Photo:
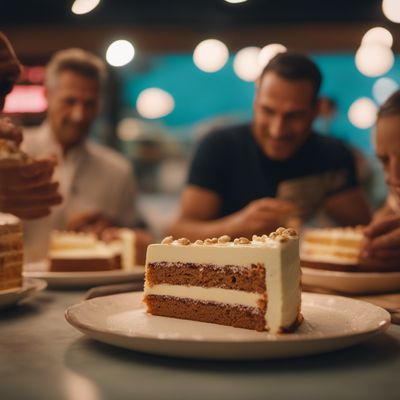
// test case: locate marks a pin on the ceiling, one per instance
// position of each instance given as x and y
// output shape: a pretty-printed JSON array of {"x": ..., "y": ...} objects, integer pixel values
[
  {"x": 178, "y": 25},
  {"x": 192, "y": 12}
]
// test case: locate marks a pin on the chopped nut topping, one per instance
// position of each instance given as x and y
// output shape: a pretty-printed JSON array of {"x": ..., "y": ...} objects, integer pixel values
[
  {"x": 183, "y": 241},
  {"x": 199, "y": 242},
  {"x": 282, "y": 238},
  {"x": 264, "y": 237},
  {"x": 224, "y": 239},
  {"x": 273, "y": 235},
  {"x": 291, "y": 232},
  {"x": 258, "y": 238},
  {"x": 211, "y": 241},
  {"x": 167, "y": 240},
  {"x": 241, "y": 240},
  {"x": 280, "y": 230}
]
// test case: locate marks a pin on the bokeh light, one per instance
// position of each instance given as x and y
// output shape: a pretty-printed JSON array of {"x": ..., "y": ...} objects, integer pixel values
[
  {"x": 210, "y": 55},
  {"x": 383, "y": 88},
  {"x": 84, "y": 6},
  {"x": 245, "y": 63},
  {"x": 120, "y": 53},
  {"x": 154, "y": 103},
  {"x": 268, "y": 52},
  {"x": 378, "y": 35},
  {"x": 391, "y": 10},
  {"x": 362, "y": 113},
  {"x": 374, "y": 60}
]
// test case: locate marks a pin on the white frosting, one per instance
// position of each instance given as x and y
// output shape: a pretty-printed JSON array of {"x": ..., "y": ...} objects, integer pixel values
[
  {"x": 99, "y": 251},
  {"x": 281, "y": 260},
  {"x": 329, "y": 253},
  {"x": 80, "y": 245},
  {"x": 218, "y": 295},
  {"x": 9, "y": 219},
  {"x": 337, "y": 245},
  {"x": 335, "y": 234}
]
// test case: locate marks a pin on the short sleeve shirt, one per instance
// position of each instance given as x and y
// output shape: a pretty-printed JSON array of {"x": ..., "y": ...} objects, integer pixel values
[{"x": 230, "y": 163}]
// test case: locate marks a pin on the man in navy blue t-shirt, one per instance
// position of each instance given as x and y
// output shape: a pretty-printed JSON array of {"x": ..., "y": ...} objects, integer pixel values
[{"x": 251, "y": 179}]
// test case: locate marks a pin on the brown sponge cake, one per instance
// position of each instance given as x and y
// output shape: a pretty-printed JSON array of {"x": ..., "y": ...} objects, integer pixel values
[
  {"x": 336, "y": 249},
  {"x": 80, "y": 251},
  {"x": 11, "y": 252},
  {"x": 247, "y": 284}
]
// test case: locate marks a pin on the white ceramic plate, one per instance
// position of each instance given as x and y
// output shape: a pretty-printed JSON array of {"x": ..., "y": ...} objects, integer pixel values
[
  {"x": 81, "y": 278},
  {"x": 29, "y": 287},
  {"x": 331, "y": 322},
  {"x": 351, "y": 282}
]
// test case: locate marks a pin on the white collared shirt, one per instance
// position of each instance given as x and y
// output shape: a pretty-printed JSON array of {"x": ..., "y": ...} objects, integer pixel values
[{"x": 92, "y": 178}]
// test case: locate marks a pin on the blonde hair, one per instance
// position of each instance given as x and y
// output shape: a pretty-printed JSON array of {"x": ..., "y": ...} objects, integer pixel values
[{"x": 76, "y": 60}]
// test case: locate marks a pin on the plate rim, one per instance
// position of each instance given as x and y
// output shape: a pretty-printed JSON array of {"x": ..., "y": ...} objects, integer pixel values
[
  {"x": 346, "y": 274},
  {"x": 82, "y": 274},
  {"x": 270, "y": 338},
  {"x": 29, "y": 287}
]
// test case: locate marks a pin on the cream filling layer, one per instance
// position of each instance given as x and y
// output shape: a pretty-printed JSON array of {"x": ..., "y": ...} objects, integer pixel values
[
  {"x": 100, "y": 251},
  {"x": 227, "y": 296},
  {"x": 335, "y": 254}
]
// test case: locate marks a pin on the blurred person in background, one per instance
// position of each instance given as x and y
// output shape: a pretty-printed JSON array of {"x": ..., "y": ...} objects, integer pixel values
[
  {"x": 26, "y": 191},
  {"x": 382, "y": 247},
  {"x": 276, "y": 171},
  {"x": 96, "y": 182}
]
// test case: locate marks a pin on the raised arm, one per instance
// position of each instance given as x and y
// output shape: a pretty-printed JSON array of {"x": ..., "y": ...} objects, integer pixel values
[
  {"x": 198, "y": 218},
  {"x": 349, "y": 207}
]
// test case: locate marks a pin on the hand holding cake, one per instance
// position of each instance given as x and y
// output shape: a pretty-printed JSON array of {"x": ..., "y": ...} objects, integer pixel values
[
  {"x": 26, "y": 188},
  {"x": 382, "y": 247}
]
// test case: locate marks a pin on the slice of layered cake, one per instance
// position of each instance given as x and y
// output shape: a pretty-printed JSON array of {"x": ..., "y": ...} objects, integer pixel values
[
  {"x": 11, "y": 252},
  {"x": 332, "y": 248},
  {"x": 79, "y": 251},
  {"x": 246, "y": 284}
]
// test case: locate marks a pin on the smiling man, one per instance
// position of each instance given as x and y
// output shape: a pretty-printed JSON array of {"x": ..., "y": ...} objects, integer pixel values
[
  {"x": 253, "y": 178},
  {"x": 97, "y": 183}
]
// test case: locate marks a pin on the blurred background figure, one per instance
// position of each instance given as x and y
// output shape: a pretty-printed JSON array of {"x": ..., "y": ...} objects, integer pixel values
[
  {"x": 26, "y": 189},
  {"x": 383, "y": 234},
  {"x": 96, "y": 182},
  {"x": 251, "y": 179},
  {"x": 326, "y": 114}
]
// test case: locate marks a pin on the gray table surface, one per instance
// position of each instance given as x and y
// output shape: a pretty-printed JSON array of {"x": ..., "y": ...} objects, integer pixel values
[{"x": 43, "y": 357}]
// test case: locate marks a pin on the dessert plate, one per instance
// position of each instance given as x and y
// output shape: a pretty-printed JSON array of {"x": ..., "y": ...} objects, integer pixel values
[
  {"x": 29, "y": 287},
  {"x": 351, "y": 282},
  {"x": 81, "y": 278},
  {"x": 330, "y": 323}
]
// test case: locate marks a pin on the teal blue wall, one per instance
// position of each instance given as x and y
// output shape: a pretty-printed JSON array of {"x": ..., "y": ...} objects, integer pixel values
[{"x": 201, "y": 96}]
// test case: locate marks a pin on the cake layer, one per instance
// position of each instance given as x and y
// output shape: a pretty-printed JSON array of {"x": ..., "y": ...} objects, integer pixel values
[
  {"x": 10, "y": 276},
  {"x": 11, "y": 257},
  {"x": 11, "y": 241},
  {"x": 218, "y": 295},
  {"x": 343, "y": 267},
  {"x": 215, "y": 271},
  {"x": 248, "y": 278},
  {"x": 81, "y": 251},
  {"x": 85, "y": 264},
  {"x": 213, "y": 312},
  {"x": 330, "y": 246}
]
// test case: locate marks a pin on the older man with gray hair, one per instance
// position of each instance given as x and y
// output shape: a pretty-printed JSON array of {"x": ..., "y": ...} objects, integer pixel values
[{"x": 96, "y": 182}]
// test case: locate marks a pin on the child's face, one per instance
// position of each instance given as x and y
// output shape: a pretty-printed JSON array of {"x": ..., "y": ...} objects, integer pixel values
[{"x": 388, "y": 150}]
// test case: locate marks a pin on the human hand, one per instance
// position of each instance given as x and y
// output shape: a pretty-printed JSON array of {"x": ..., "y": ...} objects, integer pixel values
[
  {"x": 26, "y": 189},
  {"x": 382, "y": 246},
  {"x": 262, "y": 216},
  {"x": 89, "y": 221},
  {"x": 142, "y": 239},
  {"x": 10, "y": 131}
]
